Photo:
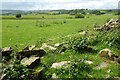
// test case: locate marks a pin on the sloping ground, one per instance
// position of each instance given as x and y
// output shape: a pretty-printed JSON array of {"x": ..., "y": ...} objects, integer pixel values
[{"x": 83, "y": 55}]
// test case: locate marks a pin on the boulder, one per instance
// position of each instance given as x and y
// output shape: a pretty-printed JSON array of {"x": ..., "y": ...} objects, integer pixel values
[
  {"x": 30, "y": 62},
  {"x": 37, "y": 74},
  {"x": 29, "y": 47},
  {"x": 0, "y": 69},
  {"x": 83, "y": 33},
  {"x": 47, "y": 47},
  {"x": 102, "y": 65},
  {"x": 28, "y": 53},
  {"x": 59, "y": 44},
  {"x": 59, "y": 64},
  {"x": 7, "y": 51},
  {"x": 88, "y": 62},
  {"x": 54, "y": 76},
  {"x": 105, "y": 53},
  {"x": 107, "y": 26}
]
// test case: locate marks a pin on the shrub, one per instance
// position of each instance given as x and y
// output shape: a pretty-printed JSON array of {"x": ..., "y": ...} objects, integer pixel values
[
  {"x": 15, "y": 70},
  {"x": 18, "y": 15},
  {"x": 79, "y": 16},
  {"x": 78, "y": 43},
  {"x": 109, "y": 38},
  {"x": 75, "y": 69}
]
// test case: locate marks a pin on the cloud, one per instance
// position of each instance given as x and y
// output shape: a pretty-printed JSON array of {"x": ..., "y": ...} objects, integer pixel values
[{"x": 59, "y": 4}]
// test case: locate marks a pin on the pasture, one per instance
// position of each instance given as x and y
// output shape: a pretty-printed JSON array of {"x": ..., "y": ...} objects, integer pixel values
[
  {"x": 24, "y": 32},
  {"x": 52, "y": 29}
]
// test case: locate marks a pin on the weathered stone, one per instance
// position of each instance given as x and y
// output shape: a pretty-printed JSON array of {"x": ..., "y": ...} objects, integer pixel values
[
  {"x": 59, "y": 64},
  {"x": 50, "y": 48},
  {"x": 7, "y": 51},
  {"x": 88, "y": 62},
  {"x": 0, "y": 69},
  {"x": 105, "y": 53},
  {"x": 29, "y": 47},
  {"x": 59, "y": 44},
  {"x": 102, "y": 65},
  {"x": 54, "y": 76},
  {"x": 109, "y": 55},
  {"x": 27, "y": 53},
  {"x": 31, "y": 61},
  {"x": 83, "y": 33},
  {"x": 38, "y": 74},
  {"x": 107, "y": 26}
]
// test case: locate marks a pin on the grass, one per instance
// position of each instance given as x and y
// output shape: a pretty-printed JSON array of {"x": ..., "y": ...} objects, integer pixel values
[
  {"x": 39, "y": 16},
  {"x": 31, "y": 31},
  {"x": 25, "y": 32}
]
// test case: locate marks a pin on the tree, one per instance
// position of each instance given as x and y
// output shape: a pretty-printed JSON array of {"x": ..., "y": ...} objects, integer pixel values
[
  {"x": 18, "y": 15},
  {"x": 79, "y": 16},
  {"x": 96, "y": 12}
]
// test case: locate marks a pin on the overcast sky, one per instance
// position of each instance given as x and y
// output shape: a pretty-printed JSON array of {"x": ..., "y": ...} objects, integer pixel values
[{"x": 59, "y": 4}]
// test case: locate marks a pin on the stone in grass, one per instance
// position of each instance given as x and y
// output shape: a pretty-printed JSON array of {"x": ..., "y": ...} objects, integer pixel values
[
  {"x": 88, "y": 62},
  {"x": 59, "y": 64},
  {"x": 59, "y": 44},
  {"x": 30, "y": 62},
  {"x": 102, "y": 65},
  {"x": 38, "y": 74},
  {"x": 7, "y": 51},
  {"x": 29, "y": 47},
  {"x": 45, "y": 46},
  {"x": 28, "y": 53},
  {"x": 107, "y": 53}
]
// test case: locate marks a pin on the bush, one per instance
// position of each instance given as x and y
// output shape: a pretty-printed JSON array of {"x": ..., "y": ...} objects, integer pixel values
[
  {"x": 78, "y": 44},
  {"x": 18, "y": 15},
  {"x": 109, "y": 38},
  {"x": 79, "y": 16},
  {"x": 75, "y": 69},
  {"x": 15, "y": 70}
]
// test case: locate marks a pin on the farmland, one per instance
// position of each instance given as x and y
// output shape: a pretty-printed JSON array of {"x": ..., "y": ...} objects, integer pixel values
[
  {"x": 24, "y": 32},
  {"x": 66, "y": 29}
]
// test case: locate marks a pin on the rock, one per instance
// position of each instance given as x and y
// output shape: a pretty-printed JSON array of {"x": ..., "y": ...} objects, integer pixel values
[
  {"x": 29, "y": 47},
  {"x": 7, "y": 51},
  {"x": 102, "y": 65},
  {"x": 59, "y": 64},
  {"x": 54, "y": 77},
  {"x": 37, "y": 74},
  {"x": 0, "y": 55},
  {"x": 98, "y": 29},
  {"x": 83, "y": 33},
  {"x": 30, "y": 62},
  {"x": 109, "y": 70},
  {"x": 50, "y": 48},
  {"x": 112, "y": 20},
  {"x": 59, "y": 44},
  {"x": 0, "y": 69},
  {"x": 62, "y": 48},
  {"x": 88, "y": 62},
  {"x": 105, "y": 53},
  {"x": 107, "y": 26},
  {"x": 28, "y": 53}
]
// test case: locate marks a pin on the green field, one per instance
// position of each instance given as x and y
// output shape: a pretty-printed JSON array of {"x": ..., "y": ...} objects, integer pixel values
[
  {"x": 24, "y": 32},
  {"x": 32, "y": 29}
]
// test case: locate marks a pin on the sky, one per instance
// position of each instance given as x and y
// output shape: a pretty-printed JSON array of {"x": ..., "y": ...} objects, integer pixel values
[{"x": 58, "y": 4}]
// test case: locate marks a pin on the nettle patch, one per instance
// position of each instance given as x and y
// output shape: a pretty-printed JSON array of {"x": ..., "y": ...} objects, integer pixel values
[{"x": 78, "y": 43}]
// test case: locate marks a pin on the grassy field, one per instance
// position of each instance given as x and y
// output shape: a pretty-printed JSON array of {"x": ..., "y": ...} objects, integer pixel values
[
  {"x": 24, "y": 32},
  {"x": 28, "y": 31},
  {"x": 38, "y": 16}
]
